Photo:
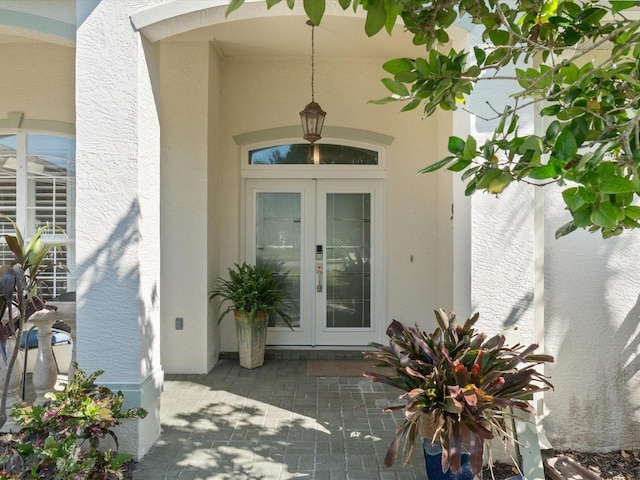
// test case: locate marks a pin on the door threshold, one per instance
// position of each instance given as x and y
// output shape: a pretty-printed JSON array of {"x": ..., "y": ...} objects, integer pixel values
[{"x": 305, "y": 353}]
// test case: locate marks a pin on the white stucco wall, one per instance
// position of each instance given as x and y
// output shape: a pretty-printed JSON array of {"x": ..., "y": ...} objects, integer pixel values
[
  {"x": 592, "y": 328},
  {"x": 185, "y": 113},
  {"x": 214, "y": 201},
  {"x": 496, "y": 244},
  {"x": 118, "y": 214}
]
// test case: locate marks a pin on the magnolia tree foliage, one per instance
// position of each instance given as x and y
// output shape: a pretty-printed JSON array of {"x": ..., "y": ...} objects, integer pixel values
[{"x": 582, "y": 74}]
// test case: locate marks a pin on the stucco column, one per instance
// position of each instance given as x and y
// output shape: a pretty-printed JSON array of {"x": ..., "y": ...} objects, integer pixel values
[
  {"x": 190, "y": 95},
  {"x": 494, "y": 245},
  {"x": 117, "y": 211}
]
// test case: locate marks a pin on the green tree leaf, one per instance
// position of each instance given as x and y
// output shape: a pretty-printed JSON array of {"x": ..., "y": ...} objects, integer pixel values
[
  {"x": 566, "y": 229},
  {"x": 485, "y": 180},
  {"x": 398, "y": 65},
  {"x": 383, "y": 101},
  {"x": 591, "y": 105},
  {"x": 233, "y": 5},
  {"x": 446, "y": 17},
  {"x": 616, "y": 184},
  {"x": 314, "y": 10},
  {"x": 582, "y": 217},
  {"x": 633, "y": 212},
  {"x": 395, "y": 87},
  {"x": 480, "y": 55},
  {"x": 499, "y": 184},
  {"x": 411, "y": 105},
  {"x": 459, "y": 165},
  {"x": 376, "y": 18},
  {"x": 572, "y": 36},
  {"x": 456, "y": 145},
  {"x": 566, "y": 147},
  {"x": 499, "y": 37},
  {"x": 470, "y": 149},
  {"x": 436, "y": 166},
  {"x": 551, "y": 110},
  {"x": 544, "y": 172},
  {"x": 591, "y": 16},
  {"x": 553, "y": 130},
  {"x": 620, "y": 5},
  {"x": 606, "y": 215}
]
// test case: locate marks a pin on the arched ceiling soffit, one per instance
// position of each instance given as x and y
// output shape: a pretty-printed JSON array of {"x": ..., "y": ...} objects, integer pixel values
[
  {"x": 254, "y": 31},
  {"x": 26, "y": 27}
]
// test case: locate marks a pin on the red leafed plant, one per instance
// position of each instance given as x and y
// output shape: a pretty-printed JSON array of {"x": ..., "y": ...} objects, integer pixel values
[{"x": 458, "y": 380}]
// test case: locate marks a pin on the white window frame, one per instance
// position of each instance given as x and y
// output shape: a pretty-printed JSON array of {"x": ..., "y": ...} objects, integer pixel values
[
  {"x": 349, "y": 137},
  {"x": 68, "y": 238}
]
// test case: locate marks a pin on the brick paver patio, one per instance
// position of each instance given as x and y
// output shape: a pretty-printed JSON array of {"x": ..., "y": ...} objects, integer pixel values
[{"x": 274, "y": 423}]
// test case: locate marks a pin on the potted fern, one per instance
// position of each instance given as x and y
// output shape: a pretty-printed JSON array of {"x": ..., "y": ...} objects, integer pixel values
[
  {"x": 460, "y": 388},
  {"x": 254, "y": 293}
]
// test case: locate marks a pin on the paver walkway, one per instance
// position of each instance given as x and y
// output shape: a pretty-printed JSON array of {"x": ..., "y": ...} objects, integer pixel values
[{"x": 275, "y": 423}]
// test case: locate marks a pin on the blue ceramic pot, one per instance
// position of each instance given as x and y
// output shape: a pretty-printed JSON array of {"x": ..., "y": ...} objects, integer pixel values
[{"x": 433, "y": 459}]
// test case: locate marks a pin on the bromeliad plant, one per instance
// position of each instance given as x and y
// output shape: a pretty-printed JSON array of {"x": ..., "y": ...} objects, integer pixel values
[{"x": 458, "y": 379}]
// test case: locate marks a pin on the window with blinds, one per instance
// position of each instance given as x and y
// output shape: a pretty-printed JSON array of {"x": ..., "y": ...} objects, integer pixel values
[
  {"x": 8, "y": 197},
  {"x": 37, "y": 189}
]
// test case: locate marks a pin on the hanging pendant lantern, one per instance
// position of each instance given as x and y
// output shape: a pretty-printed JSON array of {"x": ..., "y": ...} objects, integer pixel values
[{"x": 312, "y": 117}]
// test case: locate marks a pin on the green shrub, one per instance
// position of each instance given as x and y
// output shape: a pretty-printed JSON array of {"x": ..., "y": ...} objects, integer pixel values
[{"x": 60, "y": 439}]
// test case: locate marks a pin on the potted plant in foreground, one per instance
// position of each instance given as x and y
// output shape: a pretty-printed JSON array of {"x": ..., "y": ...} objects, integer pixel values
[
  {"x": 460, "y": 388},
  {"x": 254, "y": 293}
]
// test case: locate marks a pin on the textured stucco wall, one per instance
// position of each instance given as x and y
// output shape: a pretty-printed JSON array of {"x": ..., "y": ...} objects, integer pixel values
[
  {"x": 593, "y": 329},
  {"x": 497, "y": 246},
  {"x": 118, "y": 214}
]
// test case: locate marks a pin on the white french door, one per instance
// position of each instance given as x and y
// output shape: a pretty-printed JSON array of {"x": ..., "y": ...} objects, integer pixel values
[{"x": 326, "y": 235}]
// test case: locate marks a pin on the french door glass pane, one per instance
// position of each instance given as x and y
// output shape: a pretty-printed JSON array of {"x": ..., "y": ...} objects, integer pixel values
[
  {"x": 348, "y": 246},
  {"x": 278, "y": 222}
]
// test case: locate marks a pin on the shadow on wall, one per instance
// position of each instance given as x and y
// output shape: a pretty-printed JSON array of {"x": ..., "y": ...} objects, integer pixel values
[
  {"x": 114, "y": 273},
  {"x": 595, "y": 406},
  {"x": 518, "y": 311},
  {"x": 629, "y": 376}
]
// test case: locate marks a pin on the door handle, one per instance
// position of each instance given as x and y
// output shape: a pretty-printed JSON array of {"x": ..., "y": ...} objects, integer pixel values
[
  {"x": 319, "y": 260},
  {"x": 319, "y": 277}
]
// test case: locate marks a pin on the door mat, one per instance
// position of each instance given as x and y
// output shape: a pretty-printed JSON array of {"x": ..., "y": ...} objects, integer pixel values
[{"x": 341, "y": 368}]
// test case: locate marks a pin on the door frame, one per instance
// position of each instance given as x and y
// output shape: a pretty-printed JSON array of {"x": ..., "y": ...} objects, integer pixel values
[
  {"x": 313, "y": 330},
  {"x": 338, "y": 173}
]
